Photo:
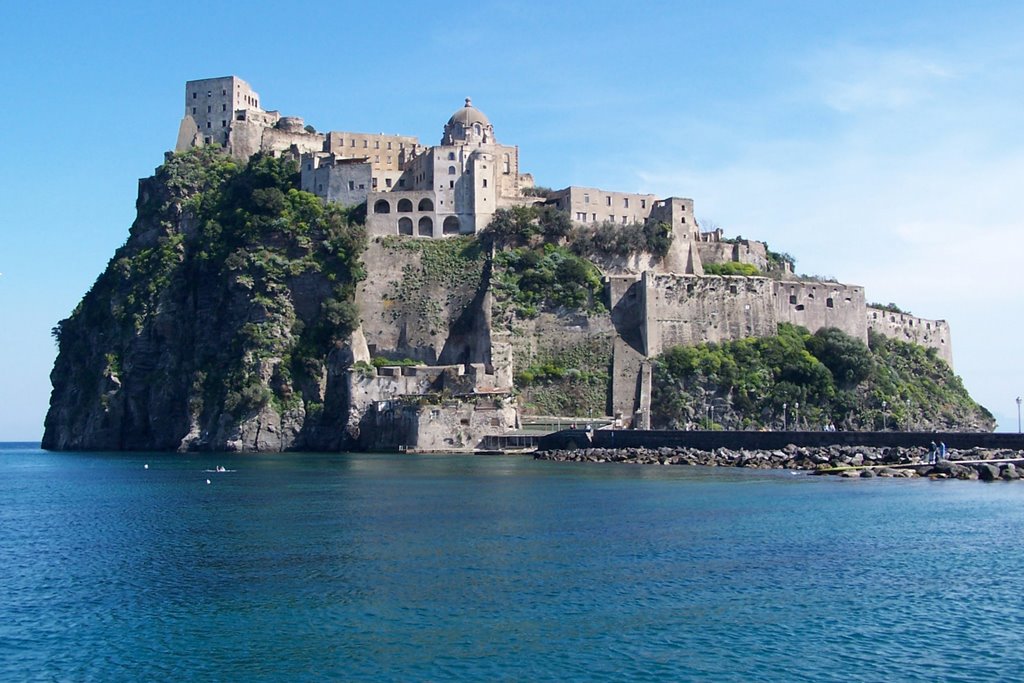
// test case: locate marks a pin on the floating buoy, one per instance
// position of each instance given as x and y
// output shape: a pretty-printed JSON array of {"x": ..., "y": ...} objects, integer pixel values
[
  {"x": 146, "y": 466},
  {"x": 207, "y": 481}
]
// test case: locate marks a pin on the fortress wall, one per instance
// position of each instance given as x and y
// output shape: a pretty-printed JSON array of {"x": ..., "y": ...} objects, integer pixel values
[
  {"x": 277, "y": 140},
  {"x": 689, "y": 310},
  {"x": 815, "y": 305},
  {"x": 345, "y": 183},
  {"x": 743, "y": 251},
  {"x": 928, "y": 333}
]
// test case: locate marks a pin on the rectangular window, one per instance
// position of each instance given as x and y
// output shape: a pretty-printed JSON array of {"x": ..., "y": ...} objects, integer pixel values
[
  {"x": 451, "y": 184},
  {"x": 624, "y": 220},
  {"x": 581, "y": 216},
  {"x": 389, "y": 145},
  {"x": 586, "y": 199},
  {"x": 209, "y": 109},
  {"x": 401, "y": 182},
  {"x": 594, "y": 217},
  {"x": 194, "y": 95},
  {"x": 373, "y": 183},
  {"x": 376, "y": 144},
  {"x": 389, "y": 161},
  {"x": 223, "y": 124},
  {"x": 208, "y": 124},
  {"x": 353, "y": 143},
  {"x": 361, "y": 186},
  {"x": 485, "y": 182},
  {"x": 387, "y": 181},
  {"x": 366, "y": 143},
  {"x": 643, "y": 203},
  {"x": 351, "y": 185},
  {"x": 193, "y": 110},
  {"x": 609, "y": 200},
  {"x": 223, "y": 107},
  {"x": 626, "y": 203}
]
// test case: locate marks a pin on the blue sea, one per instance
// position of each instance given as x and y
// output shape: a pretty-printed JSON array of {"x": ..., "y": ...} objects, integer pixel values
[{"x": 378, "y": 567}]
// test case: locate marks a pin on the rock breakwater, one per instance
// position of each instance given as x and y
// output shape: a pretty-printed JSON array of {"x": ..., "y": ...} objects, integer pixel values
[{"x": 845, "y": 461}]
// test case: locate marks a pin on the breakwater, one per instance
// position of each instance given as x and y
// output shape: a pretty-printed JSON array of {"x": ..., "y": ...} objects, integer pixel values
[
  {"x": 846, "y": 461},
  {"x": 570, "y": 439}
]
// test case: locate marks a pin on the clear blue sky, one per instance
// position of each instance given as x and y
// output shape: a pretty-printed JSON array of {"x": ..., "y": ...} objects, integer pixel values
[{"x": 878, "y": 142}]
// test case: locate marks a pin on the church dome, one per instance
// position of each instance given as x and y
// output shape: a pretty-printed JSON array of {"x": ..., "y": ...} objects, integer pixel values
[{"x": 467, "y": 125}]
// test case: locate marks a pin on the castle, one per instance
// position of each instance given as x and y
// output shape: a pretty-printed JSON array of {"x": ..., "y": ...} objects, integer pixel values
[{"x": 454, "y": 188}]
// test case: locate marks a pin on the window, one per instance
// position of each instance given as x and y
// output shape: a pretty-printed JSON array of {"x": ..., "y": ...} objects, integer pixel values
[
  {"x": 450, "y": 226},
  {"x": 389, "y": 145},
  {"x": 426, "y": 205},
  {"x": 223, "y": 124},
  {"x": 381, "y": 205},
  {"x": 223, "y": 107},
  {"x": 451, "y": 170},
  {"x": 485, "y": 182},
  {"x": 625, "y": 203},
  {"x": 376, "y": 144},
  {"x": 683, "y": 219},
  {"x": 404, "y": 205},
  {"x": 387, "y": 181},
  {"x": 362, "y": 186},
  {"x": 193, "y": 110},
  {"x": 208, "y": 124},
  {"x": 426, "y": 227},
  {"x": 209, "y": 93},
  {"x": 451, "y": 156},
  {"x": 389, "y": 160},
  {"x": 209, "y": 109},
  {"x": 223, "y": 92},
  {"x": 643, "y": 203},
  {"x": 625, "y": 219},
  {"x": 581, "y": 216},
  {"x": 373, "y": 183},
  {"x": 404, "y": 226},
  {"x": 451, "y": 184},
  {"x": 194, "y": 95},
  {"x": 609, "y": 201},
  {"x": 586, "y": 199},
  {"x": 353, "y": 143},
  {"x": 401, "y": 182},
  {"x": 207, "y": 140},
  {"x": 351, "y": 185},
  {"x": 594, "y": 217},
  {"x": 792, "y": 298},
  {"x": 376, "y": 159},
  {"x": 366, "y": 144}
]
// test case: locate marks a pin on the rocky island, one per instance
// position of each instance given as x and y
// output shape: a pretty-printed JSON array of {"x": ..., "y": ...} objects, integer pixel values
[{"x": 286, "y": 289}]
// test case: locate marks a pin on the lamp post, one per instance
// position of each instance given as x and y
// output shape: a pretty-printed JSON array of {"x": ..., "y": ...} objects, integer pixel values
[
  {"x": 1018, "y": 414},
  {"x": 784, "y": 415},
  {"x": 796, "y": 415},
  {"x": 884, "y": 404}
]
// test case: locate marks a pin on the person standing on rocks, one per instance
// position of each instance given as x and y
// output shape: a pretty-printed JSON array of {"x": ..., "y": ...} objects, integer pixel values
[
  {"x": 933, "y": 453},
  {"x": 942, "y": 450}
]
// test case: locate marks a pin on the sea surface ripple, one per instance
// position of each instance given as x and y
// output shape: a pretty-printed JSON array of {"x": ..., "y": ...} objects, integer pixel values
[{"x": 395, "y": 567}]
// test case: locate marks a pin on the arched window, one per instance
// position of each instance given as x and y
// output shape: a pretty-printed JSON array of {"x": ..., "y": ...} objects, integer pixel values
[
  {"x": 451, "y": 170},
  {"x": 426, "y": 227},
  {"x": 381, "y": 206},
  {"x": 404, "y": 226},
  {"x": 404, "y": 206},
  {"x": 426, "y": 204},
  {"x": 477, "y": 129},
  {"x": 508, "y": 164},
  {"x": 451, "y": 225},
  {"x": 451, "y": 156}
]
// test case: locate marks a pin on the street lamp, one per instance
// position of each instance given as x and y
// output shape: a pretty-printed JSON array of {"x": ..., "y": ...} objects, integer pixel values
[
  {"x": 784, "y": 416},
  {"x": 884, "y": 404},
  {"x": 1018, "y": 414},
  {"x": 796, "y": 415}
]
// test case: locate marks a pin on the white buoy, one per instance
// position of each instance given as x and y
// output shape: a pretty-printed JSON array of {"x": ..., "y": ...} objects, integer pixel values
[
  {"x": 146, "y": 466},
  {"x": 207, "y": 481}
]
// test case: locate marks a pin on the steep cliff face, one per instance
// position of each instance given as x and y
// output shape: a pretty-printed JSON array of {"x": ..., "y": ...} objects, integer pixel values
[{"x": 222, "y": 322}]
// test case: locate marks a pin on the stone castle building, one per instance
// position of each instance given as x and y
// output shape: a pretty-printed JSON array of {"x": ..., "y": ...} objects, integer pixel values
[{"x": 455, "y": 187}]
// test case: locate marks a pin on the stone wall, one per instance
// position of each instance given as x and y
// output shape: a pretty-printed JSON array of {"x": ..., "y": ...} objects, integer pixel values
[
  {"x": 815, "y": 305},
  {"x": 907, "y": 328},
  {"x": 689, "y": 310},
  {"x": 739, "y": 251}
]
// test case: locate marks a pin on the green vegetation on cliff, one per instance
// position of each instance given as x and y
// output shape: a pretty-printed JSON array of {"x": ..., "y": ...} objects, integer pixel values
[
  {"x": 803, "y": 380},
  {"x": 229, "y": 296},
  {"x": 568, "y": 379}
]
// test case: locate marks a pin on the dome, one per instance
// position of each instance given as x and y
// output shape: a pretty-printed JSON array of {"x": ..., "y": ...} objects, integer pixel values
[
  {"x": 468, "y": 125},
  {"x": 469, "y": 115}
]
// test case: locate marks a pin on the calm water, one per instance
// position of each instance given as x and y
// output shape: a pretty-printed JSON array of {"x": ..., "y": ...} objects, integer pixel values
[{"x": 387, "y": 567}]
